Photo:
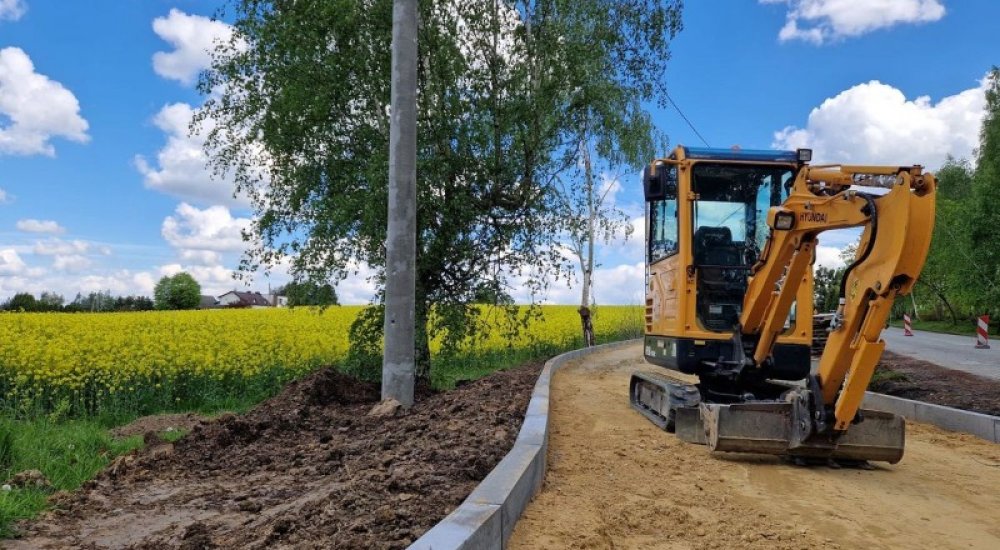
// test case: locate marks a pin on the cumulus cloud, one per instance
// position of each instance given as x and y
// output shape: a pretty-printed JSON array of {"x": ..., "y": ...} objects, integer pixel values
[
  {"x": 4, "y": 196},
  {"x": 874, "y": 123},
  {"x": 72, "y": 262},
  {"x": 11, "y": 262},
  {"x": 193, "y": 38},
  {"x": 201, "y": 257},
  {"x": 213, "y": 228},
  {"x": 53, "y": 247},
  {"x": 120, "y": 283},
  {"x": 820, "y": 21},
  {"x": 12, "y": 10},
  {"x": 40, "y": 226},
  {"x": 181, "y": 165},
  {"x": 37, "y": 108},
  {"x": 828, "y": 256}
]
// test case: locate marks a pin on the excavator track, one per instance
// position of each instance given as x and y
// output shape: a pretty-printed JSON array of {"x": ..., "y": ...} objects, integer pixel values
[{"x": 773, "y": 427}]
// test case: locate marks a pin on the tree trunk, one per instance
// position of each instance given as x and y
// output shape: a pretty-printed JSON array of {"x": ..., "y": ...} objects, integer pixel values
[
  {"x": 944, "y": 299},
  {"x": 913, "y": 300},
  {"x": 398, "y": 362},
  {"x": 587, "y": 263}
]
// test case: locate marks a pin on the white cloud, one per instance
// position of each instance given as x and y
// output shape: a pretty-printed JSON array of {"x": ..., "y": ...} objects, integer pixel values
[
  {"x": 201, "y": 257},
  {"x": 820, "y": 21},
  {"x": 119, "y": 283},
  {"x": 828, "y": 256},
  {"x": 213, "y": 228},
  {"x": 10, "y": 262},
  {"x": 621, "y": 284},
  {"x": 874, "y": 123},
  {"x": 182, "y": 165},
  {"x": 38, "y": 108},
  {"x": 4, "y": 197},
  {"x": 53, "y": 247},
  {"x": 193, "y": 38},
  {"x": 358, "y": 287},
  {"x": 12, "y": 10},
  {"x": 72, "y": 263},
  {"x": 40, "y": 226}
]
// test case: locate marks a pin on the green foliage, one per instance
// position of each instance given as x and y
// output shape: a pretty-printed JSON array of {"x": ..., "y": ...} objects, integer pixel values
[
  {"x": 826, "y": 288},
  {"x": 309, "y": 293},
  {"x": 6, "y": 448},
  {"x": 67, "y": 453},
  {"x": 179, "y": 291},
  {"x": 505, "y": 88},
  {"x": 985, "y": 216},
  {"x": 21, "y": 301}
]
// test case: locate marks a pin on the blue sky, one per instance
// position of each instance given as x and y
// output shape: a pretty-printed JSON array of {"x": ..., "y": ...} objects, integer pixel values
[{"x": 101, "y": 188}]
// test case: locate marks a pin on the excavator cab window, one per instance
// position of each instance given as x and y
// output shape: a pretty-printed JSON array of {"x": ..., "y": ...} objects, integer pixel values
[
  {"x": 661, "y": 192},
  {"x": 730, "y": 227}
]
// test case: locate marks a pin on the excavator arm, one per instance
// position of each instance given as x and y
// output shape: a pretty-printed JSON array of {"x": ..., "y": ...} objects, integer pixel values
[{"x": 893, "y": 248}]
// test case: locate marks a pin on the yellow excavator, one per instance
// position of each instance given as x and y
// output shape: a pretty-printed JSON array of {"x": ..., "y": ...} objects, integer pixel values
[{"x": 731, "y": 238}]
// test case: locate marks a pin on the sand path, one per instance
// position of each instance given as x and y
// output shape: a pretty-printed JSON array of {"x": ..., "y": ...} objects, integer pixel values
[{"x": 616, "y": 481}]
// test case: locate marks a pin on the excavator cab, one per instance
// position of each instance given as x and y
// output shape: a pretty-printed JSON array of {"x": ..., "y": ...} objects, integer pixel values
[
  {"x": 731, "y": 238},
  {"x": 706, "y": 226}
]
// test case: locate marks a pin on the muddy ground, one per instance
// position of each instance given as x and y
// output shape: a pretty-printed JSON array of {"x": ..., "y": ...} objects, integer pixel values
[
  {"x": 617, "y": 481},
  {"x": 915, "y": 379},
  {"x": 306, "y": 469}
]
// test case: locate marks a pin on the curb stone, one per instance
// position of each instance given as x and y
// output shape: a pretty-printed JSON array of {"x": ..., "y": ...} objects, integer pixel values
[
  {"x": 485, "y": 520},
  {"x": 980, "y": 425}
]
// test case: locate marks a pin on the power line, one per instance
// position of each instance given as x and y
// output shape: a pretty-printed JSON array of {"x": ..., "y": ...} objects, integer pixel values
[{"x": 672, "y": 102}]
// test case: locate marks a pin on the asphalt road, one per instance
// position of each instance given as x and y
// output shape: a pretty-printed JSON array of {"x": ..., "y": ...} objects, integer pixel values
[{"x": 946, "y": 350}]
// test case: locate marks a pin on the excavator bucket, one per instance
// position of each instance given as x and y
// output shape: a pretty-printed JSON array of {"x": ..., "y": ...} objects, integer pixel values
[{"x": 781, "y": 428}]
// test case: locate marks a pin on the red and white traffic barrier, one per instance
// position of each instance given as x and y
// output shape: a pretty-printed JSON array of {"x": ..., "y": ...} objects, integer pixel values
[
  {"x": 907, "y": 326},
  {"x": 982, "y": 336}
]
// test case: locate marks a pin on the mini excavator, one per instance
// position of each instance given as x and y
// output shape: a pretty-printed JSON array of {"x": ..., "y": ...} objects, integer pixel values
[{"x": 731, "y": 238}]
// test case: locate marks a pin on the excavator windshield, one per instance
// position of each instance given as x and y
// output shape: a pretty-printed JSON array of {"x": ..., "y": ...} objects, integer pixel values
[{"x": 730, "y": 227}]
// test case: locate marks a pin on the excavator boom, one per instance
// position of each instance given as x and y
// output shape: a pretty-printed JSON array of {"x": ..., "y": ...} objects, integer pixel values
[{"x": 753, "y": 395}]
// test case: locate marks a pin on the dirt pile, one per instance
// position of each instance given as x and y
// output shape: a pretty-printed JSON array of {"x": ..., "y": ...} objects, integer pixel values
[
  {"x": 915, "y": 379},
  {"x": 307, "y": 469}
]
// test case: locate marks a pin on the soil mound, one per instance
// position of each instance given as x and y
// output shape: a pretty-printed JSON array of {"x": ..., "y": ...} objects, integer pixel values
[
  {"x": 306, "y": 469},
  {"x": 923, "y": 381},
  {"x": 158, "y": 423}
]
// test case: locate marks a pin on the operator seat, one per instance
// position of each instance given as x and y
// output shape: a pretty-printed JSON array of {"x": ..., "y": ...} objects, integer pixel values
[{"x": 722, "y": 279}]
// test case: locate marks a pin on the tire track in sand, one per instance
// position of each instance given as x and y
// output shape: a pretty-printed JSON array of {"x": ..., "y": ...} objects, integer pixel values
[{"x": 616, "y": 481}]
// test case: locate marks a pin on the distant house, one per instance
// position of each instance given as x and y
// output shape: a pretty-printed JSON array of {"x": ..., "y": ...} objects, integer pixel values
[
  {"x": 208, "y": 302},
  {"x": 235, "y": 298},
  {"x": 277, "y": 300}
]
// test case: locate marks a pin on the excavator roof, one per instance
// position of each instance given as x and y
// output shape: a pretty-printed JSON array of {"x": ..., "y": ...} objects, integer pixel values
[{"x": 760, "y": 155}]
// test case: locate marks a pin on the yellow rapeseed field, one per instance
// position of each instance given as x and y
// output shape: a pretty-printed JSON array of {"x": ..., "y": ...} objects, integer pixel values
[{"x": 86, "y": 363}]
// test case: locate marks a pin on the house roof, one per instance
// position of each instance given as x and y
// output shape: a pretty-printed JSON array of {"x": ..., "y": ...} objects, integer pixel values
[
  {"x": 249, "y": 298},
  {"x": 207, "y": 301}
]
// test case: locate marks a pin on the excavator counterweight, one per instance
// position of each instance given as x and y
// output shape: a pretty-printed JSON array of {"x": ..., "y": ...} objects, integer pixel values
[{"x": 731, "y": 239}]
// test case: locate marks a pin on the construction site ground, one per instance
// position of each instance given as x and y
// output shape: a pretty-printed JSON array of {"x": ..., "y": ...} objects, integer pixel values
[
  {"x": 306, "y": 469},
  {"x": 616, "y": 481}
]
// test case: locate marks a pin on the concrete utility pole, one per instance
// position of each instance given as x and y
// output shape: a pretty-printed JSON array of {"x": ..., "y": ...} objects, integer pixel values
[{"x": 398, "y": 365}]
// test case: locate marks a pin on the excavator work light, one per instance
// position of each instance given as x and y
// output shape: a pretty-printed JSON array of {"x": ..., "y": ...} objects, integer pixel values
[
  {"x": 784, "y": 220},
  {"x": 805, "y": 155}
]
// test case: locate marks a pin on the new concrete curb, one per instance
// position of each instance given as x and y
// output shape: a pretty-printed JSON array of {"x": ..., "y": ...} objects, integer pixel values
[
  {"x": 954, "y": 420},
  {"x": 485, "y": 520}
]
